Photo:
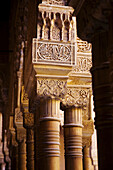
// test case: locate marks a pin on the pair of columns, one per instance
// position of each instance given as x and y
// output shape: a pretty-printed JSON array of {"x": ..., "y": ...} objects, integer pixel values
[{"x": 49, "y": 136}]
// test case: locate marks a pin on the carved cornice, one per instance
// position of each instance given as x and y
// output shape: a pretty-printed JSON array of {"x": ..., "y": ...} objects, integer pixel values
[{"x": 51, "y": 87}]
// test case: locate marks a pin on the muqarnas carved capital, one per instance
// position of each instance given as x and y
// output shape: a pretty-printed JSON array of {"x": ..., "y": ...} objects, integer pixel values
[
  {"x": 28, "y": 120},
  {"x": 51, "y": 88}
]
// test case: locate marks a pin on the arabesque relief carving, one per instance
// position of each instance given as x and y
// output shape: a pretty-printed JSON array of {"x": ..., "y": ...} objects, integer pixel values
[
  {"x": 83, "y": 64},
  {"x": 56, "y": 52},
  {"x": 78, "y": 96},
  {"x": 51, "y": 87}
]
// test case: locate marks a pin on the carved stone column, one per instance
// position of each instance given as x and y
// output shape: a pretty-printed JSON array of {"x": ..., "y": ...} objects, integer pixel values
[
  {"x": 14, "y": 158},
  {"x": 73, "y": 138},
  {"x": 29, "y": 124},
  {"x": 6, "y": 152},
  {"x": 49, "y": 153},
  {"x": 21, "y": 139},
  {"x": 13, "y": 145},
  {"x": 22, "y": 154}
]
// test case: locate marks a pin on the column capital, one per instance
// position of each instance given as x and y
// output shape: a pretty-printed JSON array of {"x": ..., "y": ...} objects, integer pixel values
[
  {"x": 78, "y": 96},
  {"x": 24, "y": 100},
  {"x": 28, "y": 120},
  {"x": 18, "y": 117},
  {"x": 21, "y": 134},
  {"x": 51, "y": 87}
]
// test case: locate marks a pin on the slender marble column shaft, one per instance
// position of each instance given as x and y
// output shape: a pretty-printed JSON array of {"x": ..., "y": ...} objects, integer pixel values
[
  {"x": 49, "y": 151},
  {"x": 30, "y": 149},
  {"x": 22, "y": 155},
  {"x": 73, "y": 138}
]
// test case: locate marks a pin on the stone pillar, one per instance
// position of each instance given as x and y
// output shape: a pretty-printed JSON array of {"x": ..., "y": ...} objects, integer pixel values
[
  {"x": 29, "y": 124},
  {"x": 13, "y": 145},
  {"x": 102, "y": 100},
  {"x": 49, "y": 153},
  {"x": 6, "y": 152},
  {"x": 87, "y": 159},
  {"x": 30, "y": 149},
  {"x": 73, "y": 138},
  {"x": 22, "y": 154},
  {"x": 14, "y": 158}
]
